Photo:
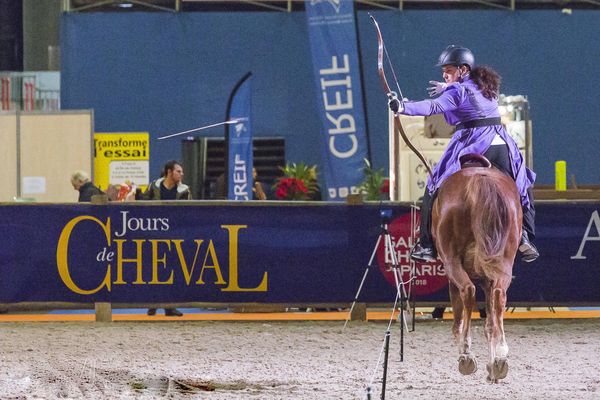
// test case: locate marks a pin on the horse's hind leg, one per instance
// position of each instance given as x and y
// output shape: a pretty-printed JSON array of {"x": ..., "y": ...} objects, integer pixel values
[
  {"x": 462, "y": 296},
  {"x": 497, "y": 368},
  {"x": 457, "y": 311}
]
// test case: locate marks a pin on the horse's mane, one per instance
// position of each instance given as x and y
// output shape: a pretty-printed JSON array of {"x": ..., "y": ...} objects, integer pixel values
[{"x": 490, "y": 216}]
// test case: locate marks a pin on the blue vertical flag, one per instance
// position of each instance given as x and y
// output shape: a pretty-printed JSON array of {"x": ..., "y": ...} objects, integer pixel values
[
  {"x": 333, "y": 44},
  {"x": 239, "y": 142}
]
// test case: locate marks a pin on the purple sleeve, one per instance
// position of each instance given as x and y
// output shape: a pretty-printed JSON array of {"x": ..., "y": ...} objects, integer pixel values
[{"x": 448, "y": 101}]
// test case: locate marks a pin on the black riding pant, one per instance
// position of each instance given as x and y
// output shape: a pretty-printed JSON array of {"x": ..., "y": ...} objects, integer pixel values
[{"x": 499, "y": 157}]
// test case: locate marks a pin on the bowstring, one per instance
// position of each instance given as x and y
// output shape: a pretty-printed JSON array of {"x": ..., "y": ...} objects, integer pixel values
[{"x": 387, "y": 56}]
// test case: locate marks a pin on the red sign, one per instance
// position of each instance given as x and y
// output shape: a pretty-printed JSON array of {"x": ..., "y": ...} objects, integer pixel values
[{"x": 429, "y": 277}]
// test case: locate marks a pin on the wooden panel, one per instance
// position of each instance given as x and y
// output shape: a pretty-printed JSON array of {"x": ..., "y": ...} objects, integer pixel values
[
  {"x": 413, "y": 175},
  {"x": 570, "y": 194},
  {"x": 8, "y": 156},
  {"x": 52, "y": 147}
]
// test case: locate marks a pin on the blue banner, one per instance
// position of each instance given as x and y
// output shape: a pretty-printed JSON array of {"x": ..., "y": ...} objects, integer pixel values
[
  {"x": 333, "y": 43},
  {"x": 240, "y": 180},
  {"x": 261, "y": 252}
]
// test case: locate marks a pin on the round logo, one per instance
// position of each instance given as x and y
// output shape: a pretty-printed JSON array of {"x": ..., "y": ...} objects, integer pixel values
[{"x": 429, "y": 277}]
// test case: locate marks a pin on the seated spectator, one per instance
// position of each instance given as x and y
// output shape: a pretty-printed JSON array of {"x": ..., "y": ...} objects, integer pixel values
[
  {"x": 259, "y": 191},
  {"x": 82, "y": 183}
]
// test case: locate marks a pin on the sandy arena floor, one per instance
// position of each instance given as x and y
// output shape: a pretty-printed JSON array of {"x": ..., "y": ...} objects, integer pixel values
[{"x": 549, "y": 359}]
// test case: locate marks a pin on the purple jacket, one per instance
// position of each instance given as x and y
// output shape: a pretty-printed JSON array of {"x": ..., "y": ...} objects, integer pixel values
[{"x": 463, "y": 102}]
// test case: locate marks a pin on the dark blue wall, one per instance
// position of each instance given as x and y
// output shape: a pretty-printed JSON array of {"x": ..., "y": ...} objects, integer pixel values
[{"x": 163, "y": 73}]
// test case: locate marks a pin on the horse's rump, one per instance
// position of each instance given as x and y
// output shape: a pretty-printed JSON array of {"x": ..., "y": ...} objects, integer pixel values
[
  {"x": 490, "y": 216},
  {"x": 484, "y": 207}
]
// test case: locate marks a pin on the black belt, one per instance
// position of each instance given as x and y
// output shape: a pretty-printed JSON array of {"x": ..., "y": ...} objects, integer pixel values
[{"x": 476, "y": 123}]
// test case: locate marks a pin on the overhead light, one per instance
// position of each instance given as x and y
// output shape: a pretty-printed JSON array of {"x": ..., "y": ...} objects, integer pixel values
[{"x": 125, "y": 5}]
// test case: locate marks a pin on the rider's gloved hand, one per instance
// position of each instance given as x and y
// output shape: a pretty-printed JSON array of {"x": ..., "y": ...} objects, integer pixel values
[
  {"x": 436, "y": 88},
  {"x": 394, "y": 104}
]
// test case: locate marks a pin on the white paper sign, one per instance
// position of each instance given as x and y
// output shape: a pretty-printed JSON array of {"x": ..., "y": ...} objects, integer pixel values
[
  {"x": 137, "y": 172},
  {"x": 33, "y": 185}
]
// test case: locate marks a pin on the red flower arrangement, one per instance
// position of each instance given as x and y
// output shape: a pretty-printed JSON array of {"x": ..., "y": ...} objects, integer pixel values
[
  {"x": 291, "y": 189},
  {"x": 299, "y": 182},
  {"x": 385, "y": 187}
]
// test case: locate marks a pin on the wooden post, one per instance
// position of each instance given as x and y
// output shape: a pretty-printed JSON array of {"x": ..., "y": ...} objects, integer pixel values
[
  {"x": 257, "y": 308},
  {"x": 354, "y": 199},
  {"x": 359, "y": 312},
  {"x": 103, "y": 312}
]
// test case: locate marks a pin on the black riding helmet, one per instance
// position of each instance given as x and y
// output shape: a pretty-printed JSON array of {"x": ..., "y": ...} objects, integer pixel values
[{"x": 457, "y": 56}]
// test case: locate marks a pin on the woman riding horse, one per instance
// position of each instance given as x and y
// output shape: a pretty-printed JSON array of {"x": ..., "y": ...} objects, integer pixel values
[{"x": 468, "y": 98}]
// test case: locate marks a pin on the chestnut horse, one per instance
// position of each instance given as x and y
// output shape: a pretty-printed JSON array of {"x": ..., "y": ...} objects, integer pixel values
[{"x": 476, "y": 225}]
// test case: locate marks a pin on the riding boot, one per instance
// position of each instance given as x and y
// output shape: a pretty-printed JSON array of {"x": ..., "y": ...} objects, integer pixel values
[
  {"x": 424, "y": 249},
  {"x": 526, "y": 247},
  {"x": 529, "y": 216}
]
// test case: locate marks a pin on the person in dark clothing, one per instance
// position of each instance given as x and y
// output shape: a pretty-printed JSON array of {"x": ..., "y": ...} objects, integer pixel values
[
  {"x": 259, "y": 191},
  {"x": 81, "y": 182},
  {"x": 168, "y": 187}
]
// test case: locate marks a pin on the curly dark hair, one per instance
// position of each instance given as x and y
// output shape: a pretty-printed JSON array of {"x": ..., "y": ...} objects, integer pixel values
[{"x": 487, "y": 80}]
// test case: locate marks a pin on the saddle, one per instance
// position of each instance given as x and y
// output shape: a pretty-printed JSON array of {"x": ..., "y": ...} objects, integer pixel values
[{"x": 474, "y": 160}]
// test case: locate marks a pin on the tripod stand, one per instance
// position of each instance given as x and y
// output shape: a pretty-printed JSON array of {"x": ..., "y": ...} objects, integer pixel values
[{"x": 391, "y": 261}]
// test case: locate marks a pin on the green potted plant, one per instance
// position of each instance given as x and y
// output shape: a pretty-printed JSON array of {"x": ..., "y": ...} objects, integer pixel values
[{"x": 375, "y": 186}]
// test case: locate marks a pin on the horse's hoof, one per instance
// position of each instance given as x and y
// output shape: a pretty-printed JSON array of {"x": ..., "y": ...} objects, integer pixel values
[
  {"x": 467, "y": 364},
  {"x": 490, "y": 376},
  {"x": 500, "y": 368},
  {"x": 497, "y": 370}
]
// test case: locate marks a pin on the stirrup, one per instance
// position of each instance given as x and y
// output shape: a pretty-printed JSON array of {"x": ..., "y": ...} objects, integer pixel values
[
  {"x": 530, "y": 253},
  {"x": 420, "y": 253}
]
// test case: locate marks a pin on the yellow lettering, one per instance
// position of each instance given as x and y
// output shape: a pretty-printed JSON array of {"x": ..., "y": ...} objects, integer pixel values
[
  {"x": 137, "y": 260},
  {"x": 163, "y": 261},
  {"x": 187, "y": 274},
  {"x": 62, "y": 255},
  {"x": 211, "y": 250},
  {"x": 233, "y": 263}
]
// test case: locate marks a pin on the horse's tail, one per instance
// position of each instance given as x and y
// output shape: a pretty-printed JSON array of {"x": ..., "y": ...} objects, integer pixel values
[{"x": 490, "y": 219}]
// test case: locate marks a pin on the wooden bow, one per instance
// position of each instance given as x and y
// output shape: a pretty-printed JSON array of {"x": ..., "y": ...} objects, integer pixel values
[{"x": 390, "y": 94}]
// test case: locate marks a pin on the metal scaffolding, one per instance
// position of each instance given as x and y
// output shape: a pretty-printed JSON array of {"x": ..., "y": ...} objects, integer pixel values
[{"x": 297, "y": 5}]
